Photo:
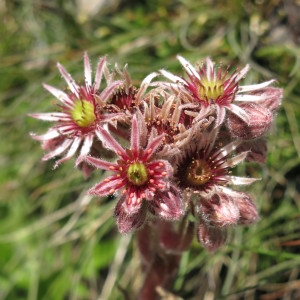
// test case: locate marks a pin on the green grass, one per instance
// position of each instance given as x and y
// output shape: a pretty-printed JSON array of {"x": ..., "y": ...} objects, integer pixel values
[{"x": 58, "y": 243}]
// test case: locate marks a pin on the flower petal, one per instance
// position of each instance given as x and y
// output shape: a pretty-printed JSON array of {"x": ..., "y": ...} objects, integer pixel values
[
  {"x": 60, "y": 95},
  {"x": 71, "y": 151},
  {"x": 107, "y": 92},
  {"x": 239, "y": 112},
  {"x": 135, "y": 136},
  {"x": 109, "y": 142},
  {"x": 188, "y": 67},
  {"x": 87, "y": 70},
  {"x": 101, "y": 164},
  {"x": 144, "y": 85},
  {"x": 172, "y": 77},
  {"x": 68, "y": 78},
  {"x": 152, "y": 146},
  {"x": 99, "y": 72},
  {"x": 106, "y": 187},
  {"x": 241, "y": 180},
  {"x": 52, "y": 117},
  {"x": 49, "y": 135},
  {"x": 58, "y": 150},
  {"x": 255, "y": 87},
  {"x": 85, "y": 148}
]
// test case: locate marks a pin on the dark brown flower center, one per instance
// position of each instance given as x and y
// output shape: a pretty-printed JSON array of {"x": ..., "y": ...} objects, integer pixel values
[{"x": 198, "y": 172}]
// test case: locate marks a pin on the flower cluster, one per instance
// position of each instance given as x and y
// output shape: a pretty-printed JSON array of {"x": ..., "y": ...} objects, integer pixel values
[{"x": 169, "y": 146}]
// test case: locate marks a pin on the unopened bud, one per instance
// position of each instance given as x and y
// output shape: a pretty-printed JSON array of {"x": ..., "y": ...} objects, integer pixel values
[{"x": 260, "y": 120}]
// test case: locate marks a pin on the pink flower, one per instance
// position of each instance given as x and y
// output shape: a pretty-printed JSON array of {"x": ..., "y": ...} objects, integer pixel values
[
  {"x": 203, "y": 172},
  {"x": 212, "y": 87},
  {"x": 205, "y": 163},
  {"x": 76, "y": 123},
  {"x": 139, "y": 176}
]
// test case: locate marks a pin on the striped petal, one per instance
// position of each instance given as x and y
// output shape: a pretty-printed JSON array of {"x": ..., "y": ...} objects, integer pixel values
[
  {"x": 70, "y": 153},
  {"x": 60, "y": 95},
  {"x": 51, "y": 116},
  {"x": 188, "y": 67},
  {"x": 101, "y": 164},
  {"x": 68, "y": 78},
  {"x": 87, "y": 70}
]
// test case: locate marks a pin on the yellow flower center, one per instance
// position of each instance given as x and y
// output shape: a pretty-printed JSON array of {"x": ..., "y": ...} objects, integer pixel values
[
  {"x": 83, "y": 113},
  {"x": 210, "y": 90},
  {"x": 137, "y": 174},
  {"x": 198, "y": 172}
]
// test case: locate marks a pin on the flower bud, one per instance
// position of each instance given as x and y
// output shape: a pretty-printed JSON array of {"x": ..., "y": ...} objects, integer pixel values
[
  {"x": 220, "y": 210},
  {"x": 260, "y": 120},
  {"x": 127, "y": 223},
  {"x": 247, "y": 208},
  {"x": 257, "y": 150},
  {"x": 210, "y": 237},
  {"x": 273, "y": 97}
]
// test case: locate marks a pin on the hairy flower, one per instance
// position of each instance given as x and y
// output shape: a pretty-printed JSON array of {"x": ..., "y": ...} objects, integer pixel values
[
  {"x": 212, "y": 87},
  {"x": 139, "y": 176},
  {"x": 203, "y": 173},
  {"x": 204, "y": 164},
  {"x": 128, "y": 98},
  {"x": 80, "y": 113}
]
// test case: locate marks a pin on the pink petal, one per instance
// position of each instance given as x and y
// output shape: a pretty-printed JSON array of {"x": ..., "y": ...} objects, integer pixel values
[
  {"x": 85, "y": 148},
  {"x": 70, "y": 81},
  {"x": 51, "y": 116},
  {"x": 241, "y": 180},
  {"x": 224, "y": 151},
  {"x": 71, "y": 151},
  {"x": 99, "y": 72},
  {"x": 109, "y": 142},
  {"x": 144, "y": 85},
  {"x": 107, "y": 186},
  {"x": 242, "y": 73},
  {"x": 188, "y": 67},
  {"x": 255, "y": 87},
  {"x": 232, "y": 162},
  {"x": 209, "y": 69},
  {"x": 60, "y": 95},
  {"x": 107, "y": 92},
  {"x": 87, "y": 70},
  {"x": 221, "y": 112},
  {"x": 101, "y": 164},
  {"x": 239, "y": 112},
  {"x": 171, "y": 77},
  {"x": 135, "y": 135},
  {"x": 51, "y": 134},
  {"x": 152, "y": 146},
  {"x": 60, "y": 149},
  {"x": 132, "y": 200}
]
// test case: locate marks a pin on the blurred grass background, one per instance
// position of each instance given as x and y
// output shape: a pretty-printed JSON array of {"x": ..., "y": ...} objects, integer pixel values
[{"x": 58, "y": 243}]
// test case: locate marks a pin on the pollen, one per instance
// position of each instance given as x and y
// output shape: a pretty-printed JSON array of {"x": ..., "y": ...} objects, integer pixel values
[{"x": 83, "y": 113}]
